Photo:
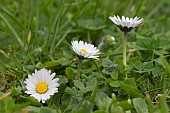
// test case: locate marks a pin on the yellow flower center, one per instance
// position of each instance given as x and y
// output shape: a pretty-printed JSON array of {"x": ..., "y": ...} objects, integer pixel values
[
  {"x": 41, "y": 87},
  {"x": 83, "y": 51}
]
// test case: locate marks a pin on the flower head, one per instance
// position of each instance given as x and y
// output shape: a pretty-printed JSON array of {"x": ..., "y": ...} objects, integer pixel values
[
  {"x": 126, "y": 24},
  {"x": 109, "y": 40},
  {"x": 41, "y": 85},
  {"x": 85, "y": 50}
]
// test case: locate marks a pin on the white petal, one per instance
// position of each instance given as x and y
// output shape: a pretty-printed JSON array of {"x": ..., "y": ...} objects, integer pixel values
[
  {"x": 123, "y": 21},
  {"x": 94, "y": 57},
  {"x": 54, "y": 83},
  {"x": 52, "y": 91},
  {"x": 30, "y": 92},
  {"x": 43, "y": 97},
  {"x": 119, "y": 18},
  {"x": 31, "y": 78},
  {"x": 135, "y": 19},
  {"x": 30, "y": 83},
  {"x": 30, "y": 87},
  {"x": 43, "y": 101},
  {"x": 47, "y": 95},
  {"x": 112, "y": 18}
]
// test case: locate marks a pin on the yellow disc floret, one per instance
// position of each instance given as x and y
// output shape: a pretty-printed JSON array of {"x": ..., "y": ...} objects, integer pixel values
[
  {"x": 41, "y": 87},
  {"x": 83, "y": 51}
]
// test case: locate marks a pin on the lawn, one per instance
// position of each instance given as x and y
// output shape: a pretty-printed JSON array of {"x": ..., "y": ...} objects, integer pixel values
[{"x": 83, "y": 56}]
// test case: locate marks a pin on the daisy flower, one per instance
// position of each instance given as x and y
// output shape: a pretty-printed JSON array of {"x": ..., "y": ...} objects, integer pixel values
[
  {"x": 126, "y": 24},
  {"x": 85, "y": 50},
  {"x": 41, "y": 85}
]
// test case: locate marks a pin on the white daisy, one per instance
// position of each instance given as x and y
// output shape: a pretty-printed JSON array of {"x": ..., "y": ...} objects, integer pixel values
[
  {"x": 86, "y": 50},
  {"x": 126, "y": 24},
  {"x": 41, "y": 85}
]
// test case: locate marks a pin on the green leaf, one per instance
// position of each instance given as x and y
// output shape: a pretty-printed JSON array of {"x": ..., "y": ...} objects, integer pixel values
[
  {"x": 51, "y": 63},
  {"x": 115, "y": 83},
  {"x": 62, "y": 81},
  {"x": 67, "y": 103},
  {"x": 83, "y": 76},
  {"x": 53, "y": 106},
  {"x": 86, "y": 107},
  {"x": 114, "y": 74},
  {"x": 163, "y": 104},
  {"x": 143, "y": 66},
  {"x": 140, "y": 105},
  {"x": 100, "y": 111},
  {"x": 103, "y": 101},
  {"x": 70, "y": 73},
  {"x": 47, "y": 110},
  {"x": 126, "y": 105},
  {"x": 29, "y": 68},
  {"x": 38, "y": 49},
  {"x": 32, "y": 109},
  {"x": 79, "y": 85},
  {"x": 129, "y": 86},
  {"x": 32, "y": 100},
  {"x": 71, "y": 91},
  {"x": 108, "y": 70},
  {"x": 160, "y": 52},
  {"x": 107, "y": 63},
  {"x": 157, "y": 71},
  {"x": 39, "y": 65}
]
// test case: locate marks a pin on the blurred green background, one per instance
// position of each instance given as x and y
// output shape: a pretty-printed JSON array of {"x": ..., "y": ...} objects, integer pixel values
[{"x": 73, "y": 19}]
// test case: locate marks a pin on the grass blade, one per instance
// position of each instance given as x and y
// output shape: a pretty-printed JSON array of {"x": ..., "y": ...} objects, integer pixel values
[
  {"x": 12, "y": 17},
  {"x": 11, "y": 29}
]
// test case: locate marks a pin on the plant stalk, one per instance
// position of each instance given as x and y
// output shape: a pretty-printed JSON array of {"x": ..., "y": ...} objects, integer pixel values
[
  {"x": 98, "y": 69},
  {"x": 124, "y": 49},
  {"x": 78, "y": 68}
]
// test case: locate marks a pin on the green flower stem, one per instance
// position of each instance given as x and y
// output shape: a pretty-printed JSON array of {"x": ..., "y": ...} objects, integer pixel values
[
  {"x": 124, "y": 49},
  {"x": 167, "y": 68},
  {"x": 98, "y": 69},
  {"x": 96, "y": 66},
  {"x": 78, "y": 68},
  {"x": 162, "y": 99}
]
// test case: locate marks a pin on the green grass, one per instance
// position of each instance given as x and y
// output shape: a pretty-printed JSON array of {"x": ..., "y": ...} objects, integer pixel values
[{"x": 37, "y": 34}]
